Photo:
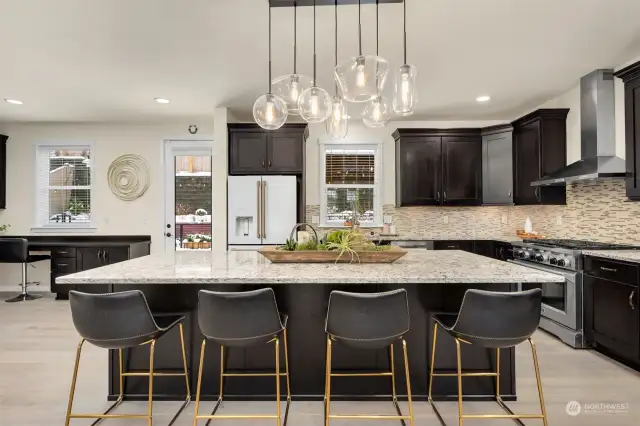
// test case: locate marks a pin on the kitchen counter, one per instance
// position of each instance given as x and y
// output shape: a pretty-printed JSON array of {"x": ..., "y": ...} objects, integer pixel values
[
  {"x": 502, "y": 239},
  {"x": 623, "y": 255},
  {"x": 249, "y": 267}
]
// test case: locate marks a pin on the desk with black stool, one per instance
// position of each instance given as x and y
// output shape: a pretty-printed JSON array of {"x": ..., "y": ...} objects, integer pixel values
[{"x": 76, "y": 253}]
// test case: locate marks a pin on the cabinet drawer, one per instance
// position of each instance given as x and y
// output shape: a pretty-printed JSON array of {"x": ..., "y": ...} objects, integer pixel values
[
  {"x": 464, "y": 245},
  {"x": 62, "y": 265},
  {"x": 63, "y": 252},
  {"x": 611, "y": 270}
]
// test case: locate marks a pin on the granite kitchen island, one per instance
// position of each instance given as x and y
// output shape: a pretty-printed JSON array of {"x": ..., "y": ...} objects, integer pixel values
[{"x": 435, "y": 282}]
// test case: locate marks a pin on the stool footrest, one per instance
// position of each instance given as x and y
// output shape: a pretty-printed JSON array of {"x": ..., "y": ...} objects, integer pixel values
[
  {"x": 384, "y": 373},
  {"x": 369, "y": 416},
  {"x": 252, "y": 374},
  {"x": 471, "y": 374}
]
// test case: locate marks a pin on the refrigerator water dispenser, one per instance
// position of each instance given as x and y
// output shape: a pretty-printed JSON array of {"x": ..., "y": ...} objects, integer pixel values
[{"x": 243, "y": 225}]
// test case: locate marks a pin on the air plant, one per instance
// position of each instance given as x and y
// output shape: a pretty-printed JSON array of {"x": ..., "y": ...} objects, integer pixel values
[
  {"x": 289, "y": 245},
  {"x": 346, "y": 243}
]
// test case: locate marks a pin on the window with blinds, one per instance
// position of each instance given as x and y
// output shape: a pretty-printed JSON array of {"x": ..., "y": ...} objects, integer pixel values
[
  {"x": 350, "y": 185},
  {"x": 64, "y": 186}
]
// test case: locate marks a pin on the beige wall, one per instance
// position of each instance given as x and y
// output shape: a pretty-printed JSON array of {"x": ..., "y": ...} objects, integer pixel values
[{"x": 144, "y": 216}]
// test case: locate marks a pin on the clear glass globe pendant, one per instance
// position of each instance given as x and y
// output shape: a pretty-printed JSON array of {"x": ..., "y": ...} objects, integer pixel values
[
  {"x": 361, "y": 78},
  {"x": 314, "y": 105},
  {"x": 270, "y": 111},
  {"x": 289, "y": 87},
  {"x": 338, "y": 121},
  {"x": 377, "y": 113}
]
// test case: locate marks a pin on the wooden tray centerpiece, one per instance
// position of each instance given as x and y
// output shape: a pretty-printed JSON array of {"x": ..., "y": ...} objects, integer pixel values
[{"x": 341, "y": 246}]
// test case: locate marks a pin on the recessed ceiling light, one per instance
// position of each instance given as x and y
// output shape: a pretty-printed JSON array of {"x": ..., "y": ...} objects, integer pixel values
[
  {"x": 483, "y": 98},
  {"x": 13, "y": 101},
  {"x": 162, "y": 100}
]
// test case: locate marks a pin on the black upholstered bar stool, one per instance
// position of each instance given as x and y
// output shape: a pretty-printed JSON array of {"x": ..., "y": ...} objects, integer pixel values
[
  {"x": 16, "y": 250},
  {"x": 242, "y": 319},
  {"x": 119, "y": 321},
  {"x": 492, "y": 320},
  {"x": 368, "y": 321}
]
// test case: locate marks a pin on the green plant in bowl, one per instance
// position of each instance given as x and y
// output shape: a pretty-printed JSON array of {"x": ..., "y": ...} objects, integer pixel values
[
  {"x": 346, "y": 243},
  {"x": 289, "y": 245},
  {"x": 309, "y": 245}
]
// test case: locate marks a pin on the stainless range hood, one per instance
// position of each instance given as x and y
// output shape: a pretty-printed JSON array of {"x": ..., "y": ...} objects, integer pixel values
[{"x": 597, "y": 131}]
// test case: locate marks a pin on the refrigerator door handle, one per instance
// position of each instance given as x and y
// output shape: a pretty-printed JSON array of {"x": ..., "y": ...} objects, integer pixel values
[
  {"x": 258, "y": 199},
  {"x": 264, "y": 211}
]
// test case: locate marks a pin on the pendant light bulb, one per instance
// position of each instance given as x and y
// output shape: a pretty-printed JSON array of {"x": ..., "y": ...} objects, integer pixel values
[
  {"x": 338, "y": 122},
  {"x": 404, "y": 97},
  {"x": 361, "y": 80},
  {"x": 270, "y": 111},
  {"x": 376, "y": 114}
]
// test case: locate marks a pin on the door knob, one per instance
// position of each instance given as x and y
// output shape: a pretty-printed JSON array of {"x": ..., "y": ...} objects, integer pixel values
[
  {"x": 168, "y": 234},
  {"x": 168, "y": 225}
]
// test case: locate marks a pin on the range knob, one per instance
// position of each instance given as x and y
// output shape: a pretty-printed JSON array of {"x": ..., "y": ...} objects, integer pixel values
[
  {"x": 553, "y": 261},
  {"x": 562, "y": 263},
  {"x": 526, "y": 255},
  {"x": 539, "y": 258}
]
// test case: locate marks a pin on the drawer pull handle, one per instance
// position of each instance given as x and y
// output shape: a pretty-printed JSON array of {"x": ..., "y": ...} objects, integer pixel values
[
  {"x": 631, "y": 304},
  {"x": 63, "y": 264},
  {"x": 452, "y": 246},
  {"x": 63, "y": 252},
  {"x": 608, "y": 269}
]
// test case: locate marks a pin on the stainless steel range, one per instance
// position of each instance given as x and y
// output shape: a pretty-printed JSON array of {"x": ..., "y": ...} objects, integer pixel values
[{"x": 561, "y": 302}]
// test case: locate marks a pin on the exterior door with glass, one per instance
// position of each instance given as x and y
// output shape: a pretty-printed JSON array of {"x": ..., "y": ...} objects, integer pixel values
[{"x": 188, "y": 195}]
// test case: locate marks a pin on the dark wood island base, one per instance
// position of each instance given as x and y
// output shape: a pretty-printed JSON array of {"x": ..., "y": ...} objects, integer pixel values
[{"x": 306, "y": 305}]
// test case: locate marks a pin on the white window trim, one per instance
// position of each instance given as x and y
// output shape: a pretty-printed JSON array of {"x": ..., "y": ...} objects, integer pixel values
[
  {"x": 377, "y": 186},
  {"x": 69, "y": 227}
]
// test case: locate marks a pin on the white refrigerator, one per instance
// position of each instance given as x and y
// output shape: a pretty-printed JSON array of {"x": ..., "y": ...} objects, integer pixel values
[{"x": 262, "y": 210}]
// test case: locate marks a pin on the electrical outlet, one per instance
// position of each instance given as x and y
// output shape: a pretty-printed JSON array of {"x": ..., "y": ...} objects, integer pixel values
[
  {"x": 315, "y": 220},
  {"x": 445, "y": 219},
  {"x": 504, "y": 219},
  {"x": 559, "y": 220}
]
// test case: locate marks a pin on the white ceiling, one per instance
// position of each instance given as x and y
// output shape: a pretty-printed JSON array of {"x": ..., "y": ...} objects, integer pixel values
[{"x": 97, "y": 60}]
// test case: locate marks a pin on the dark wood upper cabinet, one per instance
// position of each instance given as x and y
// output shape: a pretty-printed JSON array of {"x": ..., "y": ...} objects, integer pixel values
[
  {"x": 438, "y": 167},
  {"x": 255, "y": 151},
  {"x": 418, "y": 171},
  {"x": 497, "y": 165},
  {"x": 461, "y": 170},
  {"x": 631, "y": 77},
  {"x": 285, "y": 152},
  {"x": 539, "y": 148},
  {"x": 3, "y": 171}
]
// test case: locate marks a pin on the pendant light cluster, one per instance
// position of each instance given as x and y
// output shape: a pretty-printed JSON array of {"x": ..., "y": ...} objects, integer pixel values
[{"x": 360, "y": 79}]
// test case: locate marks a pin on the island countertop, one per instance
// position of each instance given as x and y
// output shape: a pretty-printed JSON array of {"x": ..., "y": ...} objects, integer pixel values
[{"x": 250, "y": 267}]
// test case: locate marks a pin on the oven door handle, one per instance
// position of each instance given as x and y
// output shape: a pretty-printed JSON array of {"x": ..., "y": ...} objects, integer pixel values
[{"x": 568, "y": 275}]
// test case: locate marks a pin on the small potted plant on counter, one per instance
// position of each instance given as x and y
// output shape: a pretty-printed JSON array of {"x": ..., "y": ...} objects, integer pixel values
[{"x": 3, "y": 228}]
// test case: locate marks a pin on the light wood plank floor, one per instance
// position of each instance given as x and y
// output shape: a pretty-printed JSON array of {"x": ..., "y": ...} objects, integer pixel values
[{"x": 37, "y": 349}]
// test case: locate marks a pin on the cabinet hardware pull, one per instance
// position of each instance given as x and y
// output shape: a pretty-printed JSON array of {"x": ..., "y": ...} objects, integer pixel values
[
  {"x": 537, "y": 192},
  {"x": 99, "y": 254},
  {"x": 258, "y": 217},
  {"x": 452, "y": 246},
  {"x": 438, "y": 196},
  {"x": 62, "y": 264},
  {"x": 63, "y": 252},
  {"x": 444, "y": 196},
  {"x": 269, "y": 163},
  {"x": 262, "y": 162},
  {"x": 633, "y": 293},
  {"x": 104, "y": 255},
  {"x": 264, "y": 210},
  {"x": 608, "y": 269},
  {"x": 509, "y": 194}
]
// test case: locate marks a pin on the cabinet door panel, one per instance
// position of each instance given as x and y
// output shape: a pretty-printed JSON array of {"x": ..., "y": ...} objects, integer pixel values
[
  {"x": 116, "y": 254},
  {"x": 418, "y": 163},
  {"x": 89, "y": 258},
  {"x": 461, "y": 170},
  {"x": 248, "y": 152},
  {"x": 497, "y": 168},
  {"x": 284, "y": 153},
  {"x": 613, "y": 316},
  {"x": 632, "y": 144},
  {"x": 527, "y": 159}
]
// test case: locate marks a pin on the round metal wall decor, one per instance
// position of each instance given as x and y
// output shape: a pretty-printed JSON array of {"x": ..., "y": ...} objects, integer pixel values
[{"x": 128, "y": 177}]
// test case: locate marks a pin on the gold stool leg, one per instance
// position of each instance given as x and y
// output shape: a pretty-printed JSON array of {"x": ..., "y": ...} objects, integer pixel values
[
  {"x": 459, "y": 361},
  {"x": 406, "y": 369},
  {"x": 73, "y": 382},
  {"x": 195, "y": 415},
  {"x": 498, "y": 373},
  {"x": 277, "y": 345},
  {"x": 152, "y": 348},
  {"x": 327, "y": 394},
  {"x": 393, "y": 375},
  {"x": 433, "y": 359},
  {"x": 184, "y": 362},
  {"x": 286, "y": 367},
  {"x": 539, "y": 381}
]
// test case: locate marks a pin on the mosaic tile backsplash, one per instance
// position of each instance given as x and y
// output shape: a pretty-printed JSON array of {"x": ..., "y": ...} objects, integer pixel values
[{"x": 597, "y": 211}]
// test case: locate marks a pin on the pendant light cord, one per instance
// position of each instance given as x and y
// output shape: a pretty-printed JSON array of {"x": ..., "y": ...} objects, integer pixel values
[
  {"x": 359, "y": 30},
  {"x": 269, "y": 49},
  {"x": 295, "y": 37},
  {"x": 377, "y": 25},
  {"x": 404, "y": 5},
  {"x": 335, "y": 9},
  {"x": 315, "y": 83}
]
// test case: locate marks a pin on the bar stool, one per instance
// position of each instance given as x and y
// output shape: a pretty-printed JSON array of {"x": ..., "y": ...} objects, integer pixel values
[
  {"x": 368, "y": 321},
  {"x": 119, "y": 321},
  {"x": 240, "y": 320},
  {"x": 492, "y": 320},
  {"x": 16, "y": 250}
]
